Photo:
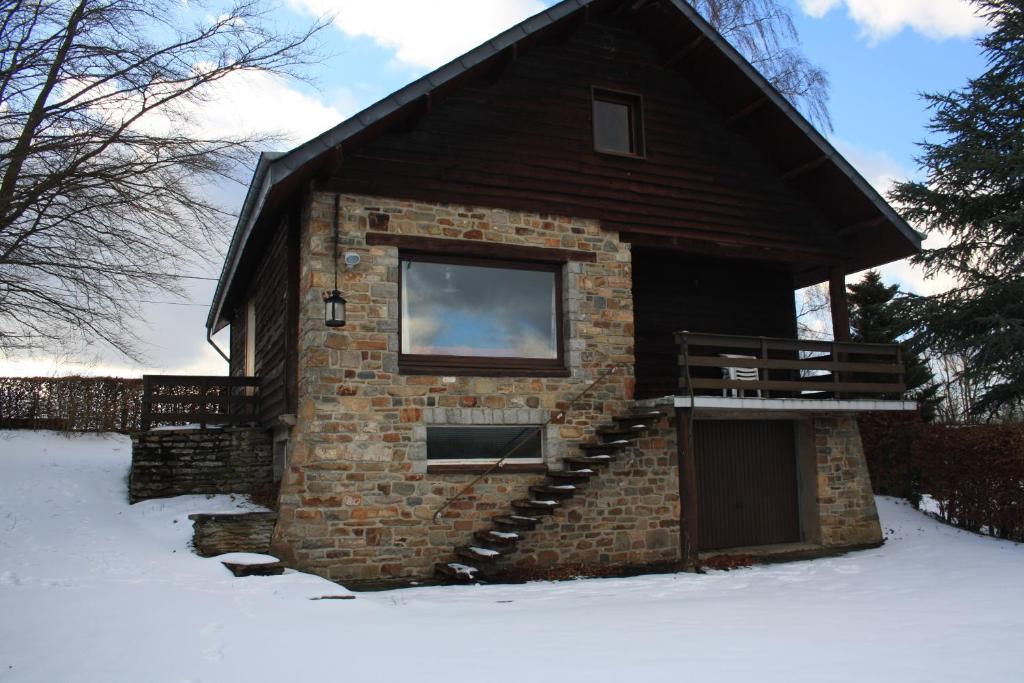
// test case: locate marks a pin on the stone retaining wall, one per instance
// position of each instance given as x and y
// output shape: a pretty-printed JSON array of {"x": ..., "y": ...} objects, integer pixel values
[
  {"x": 182, "y": 461},
  {"x": 247, "y": 532}
]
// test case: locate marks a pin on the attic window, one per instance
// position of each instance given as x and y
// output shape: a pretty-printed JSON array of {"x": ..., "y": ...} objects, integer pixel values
[{"x": 618, "y": 123}]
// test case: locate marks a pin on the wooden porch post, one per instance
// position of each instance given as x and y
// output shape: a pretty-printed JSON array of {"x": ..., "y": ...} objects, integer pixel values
[
  {"x": 688, "y": 529},
  {"x": 839, "y": 305}
]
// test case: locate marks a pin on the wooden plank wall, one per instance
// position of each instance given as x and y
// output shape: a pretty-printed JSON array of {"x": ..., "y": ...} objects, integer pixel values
[
  {"x": 270, "y": 286},
  {"x": 524, "y": 141},
  {"x": 672, "y": 292},
  {"x": 236, "y": 345}
]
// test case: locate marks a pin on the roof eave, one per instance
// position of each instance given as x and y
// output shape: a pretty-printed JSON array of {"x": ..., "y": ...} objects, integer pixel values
[
  {"x": 798, "y": 119},
  {"x": 273, "y": 168}
]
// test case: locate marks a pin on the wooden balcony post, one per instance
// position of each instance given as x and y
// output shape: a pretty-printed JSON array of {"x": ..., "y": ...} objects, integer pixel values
[
  {"x": 839, "y": 305},
  {"x": 689, "y": 529}
]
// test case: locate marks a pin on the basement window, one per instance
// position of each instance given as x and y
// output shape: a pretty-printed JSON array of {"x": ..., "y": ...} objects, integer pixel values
[
  {"x": 476, "y": 444},
  {"x": 618, "y": 123}
]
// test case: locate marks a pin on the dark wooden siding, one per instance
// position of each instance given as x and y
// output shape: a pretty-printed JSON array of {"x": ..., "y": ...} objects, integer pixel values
[
  {"x": 271, "y": 293},
  {"x": 236, "y": 347},
  {"x": 672, "y": 292},
  {"x": 273, "y": 287},
  {"x": 746, "y": 482},
  {"x": 524, "y": 141}
]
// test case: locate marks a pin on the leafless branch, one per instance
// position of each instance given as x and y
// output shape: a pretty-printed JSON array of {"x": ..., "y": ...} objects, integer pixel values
[{"x": 101, "y": 169}]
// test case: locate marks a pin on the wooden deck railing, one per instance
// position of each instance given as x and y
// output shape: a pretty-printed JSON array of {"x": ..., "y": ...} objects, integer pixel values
[
  {"x": 789, "y": 368},
  {"x": 178, "y": 399}
]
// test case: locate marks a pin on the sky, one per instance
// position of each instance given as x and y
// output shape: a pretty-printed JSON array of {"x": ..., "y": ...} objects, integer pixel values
[{"x": 879, "y": 55}]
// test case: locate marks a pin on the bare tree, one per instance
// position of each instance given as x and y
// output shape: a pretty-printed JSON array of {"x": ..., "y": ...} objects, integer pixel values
[
  {"x": 101, "y": 169},
  {"x": 763, "y": 31},
  {"x": 814, "y": 313},
  {"x": 960, "y": 391}
]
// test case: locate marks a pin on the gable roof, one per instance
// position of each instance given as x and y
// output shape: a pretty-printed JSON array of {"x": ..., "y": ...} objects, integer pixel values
[{"x": 719, "y": 69}]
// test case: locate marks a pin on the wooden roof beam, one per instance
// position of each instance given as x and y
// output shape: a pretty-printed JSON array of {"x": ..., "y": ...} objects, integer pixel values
[
  {"x": 569, "y": 26},
  {"x": 627, "y": 7},
  {"x": 807, "y": 167},
  {"x": 746, "y": 111},
  {"x": 681, "y": 54},
  {"x": 421, "y": 109},
  {"x": 854, "y": 227},
  {"x": 508, "y": 57}
]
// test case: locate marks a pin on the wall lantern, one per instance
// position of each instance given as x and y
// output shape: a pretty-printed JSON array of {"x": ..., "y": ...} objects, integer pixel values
[
  {"x": 334, "y": 302},
  {"x": 334, "y": 309}
]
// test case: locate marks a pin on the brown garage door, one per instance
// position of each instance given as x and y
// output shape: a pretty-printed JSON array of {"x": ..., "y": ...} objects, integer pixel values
[{"x": 746, "y": 479}]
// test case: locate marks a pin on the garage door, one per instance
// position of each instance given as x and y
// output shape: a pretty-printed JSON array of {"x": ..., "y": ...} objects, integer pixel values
[{"x": 746, "y": 479}]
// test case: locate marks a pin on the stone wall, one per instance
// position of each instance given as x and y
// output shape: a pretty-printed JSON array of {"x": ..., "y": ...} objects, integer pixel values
[
  {"x": 627, "y": 516},
  {"x": 846, "y": 504},
  {"x": 247, "y": 532},
  {"x": 357, "y": 501},
  {"x": 182, "y": 461}
]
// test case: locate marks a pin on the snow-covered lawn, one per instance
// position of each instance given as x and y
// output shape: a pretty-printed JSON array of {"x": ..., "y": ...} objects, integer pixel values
[{"x": 92, "y": 589}]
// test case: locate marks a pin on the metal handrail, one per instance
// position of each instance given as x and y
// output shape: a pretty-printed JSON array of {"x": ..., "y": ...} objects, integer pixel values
[{"x": 513, "y": 447}]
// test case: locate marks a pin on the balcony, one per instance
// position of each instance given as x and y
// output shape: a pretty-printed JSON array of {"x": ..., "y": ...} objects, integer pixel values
[
  {"x": 175, "y": 400},
  {"x": 722, "y": 373}
]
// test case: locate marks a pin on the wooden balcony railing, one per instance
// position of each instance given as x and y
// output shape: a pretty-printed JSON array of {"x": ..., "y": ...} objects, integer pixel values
[
  {"x": 185, "y": 399},
  {"x": 789, "y": 368}
]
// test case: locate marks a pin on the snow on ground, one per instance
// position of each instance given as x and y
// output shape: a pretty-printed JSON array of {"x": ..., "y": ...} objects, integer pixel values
[{"x": 92, "y": 589}]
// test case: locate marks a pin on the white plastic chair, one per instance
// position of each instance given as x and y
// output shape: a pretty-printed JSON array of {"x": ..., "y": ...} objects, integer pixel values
[{"x": 742, "y": 374}]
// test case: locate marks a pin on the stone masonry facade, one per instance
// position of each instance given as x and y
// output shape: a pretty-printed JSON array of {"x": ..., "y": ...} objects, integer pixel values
[
  {"x": 174, "y": 462},
  {"x": 846, "y": 504},
  {"x": 357, "y": 503}
]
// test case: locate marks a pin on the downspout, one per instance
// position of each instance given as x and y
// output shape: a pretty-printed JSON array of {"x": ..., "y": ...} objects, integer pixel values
[{"x": 209, "y": 340}]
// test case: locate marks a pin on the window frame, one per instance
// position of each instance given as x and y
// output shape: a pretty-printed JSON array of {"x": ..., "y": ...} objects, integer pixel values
[
  {"x": 488, "y": 462},
  {"x": 484, "y": 366},
  {"x": 635, "y": 103}
]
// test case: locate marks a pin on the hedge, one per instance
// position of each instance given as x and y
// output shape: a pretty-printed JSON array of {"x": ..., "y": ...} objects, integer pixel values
[
  {"x": 975, "y": 473},
  {"x": 78, "y": 404}
]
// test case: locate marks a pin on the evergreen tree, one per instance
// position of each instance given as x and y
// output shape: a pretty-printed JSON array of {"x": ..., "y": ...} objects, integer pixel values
[
  {"x": 974, "y": 197},
  {"x": 875, "y": 318}
]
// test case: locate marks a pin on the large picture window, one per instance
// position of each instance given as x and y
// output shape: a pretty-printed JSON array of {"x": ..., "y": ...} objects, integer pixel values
[{"x": 477, "y": 316}]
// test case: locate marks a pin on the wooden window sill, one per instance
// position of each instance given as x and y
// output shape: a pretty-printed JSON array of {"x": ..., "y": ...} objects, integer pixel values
[{"x": 507, "y": 468}]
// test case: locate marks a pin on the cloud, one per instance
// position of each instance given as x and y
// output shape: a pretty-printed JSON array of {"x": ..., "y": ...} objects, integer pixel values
[
  {"x": 173, "y": 335},
  {"x": 257, "y": 102},
  {"x": 881, "y": 19},
  {"x": 423, "y": 34}
]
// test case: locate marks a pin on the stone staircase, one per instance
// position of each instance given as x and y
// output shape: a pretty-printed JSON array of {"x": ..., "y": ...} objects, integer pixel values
[{"x": 490, "y": 547}]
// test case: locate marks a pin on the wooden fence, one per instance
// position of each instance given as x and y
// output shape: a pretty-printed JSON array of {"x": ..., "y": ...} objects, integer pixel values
[{"x": 202, "y": 400}]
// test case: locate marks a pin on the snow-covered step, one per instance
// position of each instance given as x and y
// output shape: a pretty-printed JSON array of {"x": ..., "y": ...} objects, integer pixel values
[
  {"x": 615, "y": 445},
  {"x": 521, "y": 522},
  {"x": 457, "y": 571},
  {"x": 475, "y": 553},
  {"x": 619, "y": 430},
  {"x": 586, "y": 463},
  {"x": 580, "y": 476},
  {"x": 556, "y": 491},
  {"x": 496, "y": 537},
  {"x": 542, "y": 507}
]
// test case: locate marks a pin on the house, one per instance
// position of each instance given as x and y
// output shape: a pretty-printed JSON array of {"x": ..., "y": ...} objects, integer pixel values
[{"x": 580, "y": 240}]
